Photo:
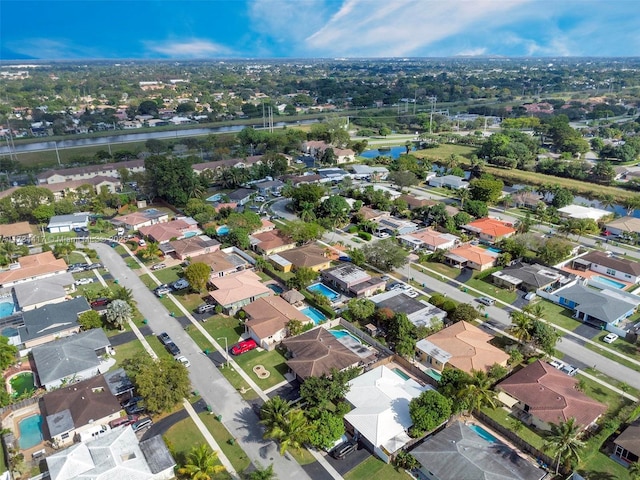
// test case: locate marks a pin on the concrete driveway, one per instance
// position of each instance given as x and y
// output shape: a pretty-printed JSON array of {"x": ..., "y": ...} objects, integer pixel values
[{"x": 237, "y": 415}]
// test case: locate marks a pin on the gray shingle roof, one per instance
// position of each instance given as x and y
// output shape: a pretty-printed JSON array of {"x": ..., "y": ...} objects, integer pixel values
[
  {"x": 52, "y": 318},
  {"x": 157, "y": 454},
  {"x": 43, "y": 290},
  {"x": 69, "y": 355},
  {"x": 596, "y": 303},
  {"x": 118, "y": 381}
]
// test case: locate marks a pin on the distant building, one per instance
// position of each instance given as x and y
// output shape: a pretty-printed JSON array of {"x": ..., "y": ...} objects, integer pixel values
[
  {"x": 449, "y": 181},
  {"x": 581, "y": 212},
  {"x": 490, "y": 230}
]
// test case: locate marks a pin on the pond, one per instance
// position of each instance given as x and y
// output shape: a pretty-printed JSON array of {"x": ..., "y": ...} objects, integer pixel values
[
  {"x": 22, "y": 383},
  {"x": 393, "y": 152}
]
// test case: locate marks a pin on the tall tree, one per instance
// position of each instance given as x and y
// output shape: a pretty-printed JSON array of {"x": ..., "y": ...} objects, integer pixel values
[
  {"x": 427, "y": 411},
  {"x": 563, "y": 440},
  {"x": 8, "y": 353},
  {"x": 478, "y": 393},
  {"x": 197, "y": 274},
  {"x": 118, "y": 313},
  {"x": 173, "y": 178},
  {"x": 292, "y": 432}
]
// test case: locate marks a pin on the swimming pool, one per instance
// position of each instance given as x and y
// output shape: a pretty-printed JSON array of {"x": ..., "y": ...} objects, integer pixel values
[
  {"x": 222, "y": 230},
  {"x": 343, "y": 333},
  {"x": 7, "y": 307},
  {"x": 494, "y": 250},
  {"x": 22, "y": 383},
  {"x": 597, "y": 278},
  {"x": 277, "y": 289},
  {"x": 30, "y": 431},
  {"x": 401, "y": 374},
  {"x": 190, "y": 234},
  {"x": 482, "y": 433},
  {"x": 314, "y": 314},
  {"x": 323, "y": 290},
  {"x": 214, "y": 198}
]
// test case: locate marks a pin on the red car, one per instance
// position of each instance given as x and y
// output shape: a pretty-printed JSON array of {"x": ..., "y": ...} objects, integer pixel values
[{"x": 243, "y": 347}]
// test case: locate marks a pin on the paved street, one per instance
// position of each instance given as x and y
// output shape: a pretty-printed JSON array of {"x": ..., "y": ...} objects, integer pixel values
[{"x": 237, "y": 415}]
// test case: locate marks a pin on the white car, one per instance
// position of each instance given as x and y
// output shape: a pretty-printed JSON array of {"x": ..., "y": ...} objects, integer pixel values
[
  {"x": 183, "y": 360},
  {"x": 84, "y": 281},
  {"x": 260, "y": 199},
  {"x": 610, "y": 338},
  {"x": 412, "y": 293}
]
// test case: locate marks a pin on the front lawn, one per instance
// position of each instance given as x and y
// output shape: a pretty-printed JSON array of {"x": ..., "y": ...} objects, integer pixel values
[
  {"x": 222, "y": 326},
  {"x": 227, "y": 443},
  {"x": 559, "y": 315},
  {"x": 373, "y": 467},
  {"x": 273, "y": 361},
  {"x": 440, "y": 268},
  {"x": 485, "y": 286},
  {"x": 128, "y": 350}
]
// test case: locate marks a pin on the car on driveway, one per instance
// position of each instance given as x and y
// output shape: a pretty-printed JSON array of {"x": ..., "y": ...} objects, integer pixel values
[
  {"x": 84, "y": 281},
  {"x": 569, "y": 370},
  {"x": 132, "y": 401},
  {"x": 94, "y": 266},
  {"x": 243, "y": 347},
  {"x": 162, "y": 290},
  {"x": 180, "y": 284},
  {"x": 128, "y": 420},
  {"x": 142, "y": 424},
  {"x": 206, "y": 307},
  {"x": 100, "y": 302},
  {"x": 344, "y": 449},
  {"x": 260, "y": 199},
  {"x": 158, "y": 266},
  {"x": 610, "y": 338},
  {"x": 412, "y": 293}
]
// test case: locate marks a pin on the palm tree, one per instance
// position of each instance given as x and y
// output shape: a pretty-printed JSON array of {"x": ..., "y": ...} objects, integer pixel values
[
  {"x": 481, "y": 308},
  {"x": 307, "y": 214},
  {"x": 201, "y": 463},
  {"x": 606, "y": 200},
  {"x": 8, "y": 249},
  {"x": 463, "y": 195},
  {"x": 118, "y": 313},
  {"x": 536, "y": 310},
  {"x": 123, "y": 293},
  {"x": 634, "y": 471},
  {"x": 292, "y": 432},
  {"x": 521, "y": 326},
  {"x": 631, "y": 204},
  {"x": 478, "y": 393},
  {"x": 152, "y": 251},
  {"x": 564, "y": 442},
  {"x": 274, "y": 411},
  {"x": 262, "y": 473}
]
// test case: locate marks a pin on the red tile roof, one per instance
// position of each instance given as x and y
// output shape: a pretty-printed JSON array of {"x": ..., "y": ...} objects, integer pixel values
[{"x": 493, "y": 227}]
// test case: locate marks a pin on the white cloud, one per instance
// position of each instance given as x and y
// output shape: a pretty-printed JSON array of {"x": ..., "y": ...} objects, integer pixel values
[
  {"x": 194, "y": 48},
  {"x": 52, "y": 49},
  {"x": 473, "y": 52},
  {"x": 286, "y": 20}
]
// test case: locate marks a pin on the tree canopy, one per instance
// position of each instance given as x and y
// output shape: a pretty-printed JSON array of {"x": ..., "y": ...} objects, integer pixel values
[
  {"x": 385, "y": 254},
  {"x": 197, "y": 274},
  {"x": 427, "y": 411}
]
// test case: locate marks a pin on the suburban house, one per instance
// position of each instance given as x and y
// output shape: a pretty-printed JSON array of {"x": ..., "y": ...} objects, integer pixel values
[
  {"x": 458, "y": 452},
  {"x": 607, "y": 264},
  {"x": 540, "y": 394},
  {"x": 419, "y": 312},
  {"x": 380, "y": 415},
  {"x": 296, "y": 180},
  {"x": 529, "y": 278},
  {"x": 623, "y": 226},
  {"x": 43, "y": 292},
  {"x": 369, "y": 213},
  {"x": 247, "y": 162},
  {"x": 317, "y": 352},
  {"x": 332, "y": 174},
  {"x": 81, "y": 411},
  {"x": 581, "y": 212},
  {"x": 33, "y": 267},
  {"x": 428, "y": 239},
  {"x": 233, "y": 292},
  {"x": 137, "y": 220},
  {"x": 267, "y": 320},
  {"x": 526, "y": 199},
  {"x": 269, "y": 187},
  {"x": 354, "y": 280},
  {"x": 117, "y": 454},
  {"x": 308, "y": 256},
  {"x": 627, "y": 444},
  {"x": 268, "y": 243},
  {"x": 490, "y": 230},
  {"x": 224, "y": 262},
  {"x": 191, "y": 247},
  {"x": 461, "y": 345},
  {"x": 599, "y": 307},
  {"x": 449, "y": 181},
  {"x": 471, "y": 256},
  {"x": 97, "y": 184},
  {"x": 18, "y": 233},
  {"x": 71, "y": 359},
  {"x": 316, "y": 148},
  {"x": 175, "y": 229},
  {"x": 265, "y": 226},
  {"x": 241, "y": 195},
  {"x": 66, "y": 223},
  {"x": 51, "y": 321},
  {"x": 394, "y": 226},
  {"x": 375, "y": 174},
  {"x": 89, "y": 171}
]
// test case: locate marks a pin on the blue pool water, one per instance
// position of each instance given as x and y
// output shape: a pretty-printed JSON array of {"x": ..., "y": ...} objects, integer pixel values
[
  {"x": 190, "y": 234},
  {"x": 394, "y": 152},
  {"x": 401, "y": 374},
  {"x": 277, "y": 289},
  {"x": 324, "y": 291},
  {"x": 482, "y": 433},
  {"x": 6, "y": 307},
  {"x": 494, "y": 250},
  {"x": 598, "y": 278},
  {"x": 222, "y": 230},
  {"x": 30, "y": 431},
  {"x": 314, "y": 314},
  {"x": 343, "y": 333},
  {"x": 215, "y": 198}
]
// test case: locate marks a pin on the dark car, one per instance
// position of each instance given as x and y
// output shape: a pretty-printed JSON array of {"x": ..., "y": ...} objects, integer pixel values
[
  {"x": 344, "y": 449},
  {"x": 135, "y": 409},
  {"x": 180, "y": 284},
  {"x": 142, "y": 424},
  {"x": 172, "y": 348},
  {"x": 244, "y": 346},
  {"x": 132, "y": 401},
  {"x": 94, "y": 266},
  {"x": 164, "y": 338},
  {"x": 100, "y": 302}
]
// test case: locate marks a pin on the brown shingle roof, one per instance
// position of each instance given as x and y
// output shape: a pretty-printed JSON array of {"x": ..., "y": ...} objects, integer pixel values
[
  {"x": 307, "y": 256},
  {"x": 269, "y": 315},
  {"x": 15, "y": 229},
  {"x": 629, "y": 439},
  {"x": 317, "y": 352},
  {"x": 620, "y": 264},
  {"x": 551, "y": 395},
  {"x": 469, "y": 347}
]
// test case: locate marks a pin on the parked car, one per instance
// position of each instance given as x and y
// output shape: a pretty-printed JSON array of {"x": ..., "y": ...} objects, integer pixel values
[
  {"x": 94, "y": 266},
  {"x": 75, "y": 269},
  {"x": 341, "y": 451},
  {"x": 84, "y": 281},
  {"x": 180, "y": 284},
  {"x": 142, "y": 424},
  {"x": 172, "y": 348},
  {"x": 206, "y": 307},
  {"x": 184, "y": 360},
  {"x": 142, "y": 243},
  {"x": 412, "y": 293},
  {"x": 610, "y": 338},
  {"x": 569, "y": 370},
  {"x": 486, "y": 301},
  {"x": 132, "y": 401},
  {"x": 135, "y": 409},
  {"x": 158, "y": 266},
  {"x": 260, "y": 199},
  {"x": 100, "y": 302},
  {"x": 164, "y": 338},
  {"x": 243, "y": 347},
  {"x": 530, "y": 296},
  {"x": 128, "y": 420},
  {"x": 162, "y": 290}
]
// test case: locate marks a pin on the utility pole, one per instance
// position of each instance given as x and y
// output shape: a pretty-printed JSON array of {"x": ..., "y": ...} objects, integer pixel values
[
  {"x": 433, "y": 101},
  {"x": 57, "y": 153}
]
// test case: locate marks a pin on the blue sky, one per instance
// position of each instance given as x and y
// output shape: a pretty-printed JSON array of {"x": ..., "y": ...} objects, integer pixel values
[{"x": 207, "y": 29}]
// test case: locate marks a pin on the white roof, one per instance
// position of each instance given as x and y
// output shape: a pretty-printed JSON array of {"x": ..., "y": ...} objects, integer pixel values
[
  {"x": 381, "y": 407},
  {"x": 579, "y": 211},
  {"x": 434, "y": 351}
]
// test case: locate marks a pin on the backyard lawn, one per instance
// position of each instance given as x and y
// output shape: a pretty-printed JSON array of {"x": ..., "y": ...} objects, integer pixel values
[{"x": 372, "y": 467}]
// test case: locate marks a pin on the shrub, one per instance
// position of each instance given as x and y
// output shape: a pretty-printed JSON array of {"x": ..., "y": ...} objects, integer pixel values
[
  {"x": 448, "y": 306},
  {"x": 437, "y": 300},
  {"x": 353, "y": 229},
  {"x": 364, "y": 235}
]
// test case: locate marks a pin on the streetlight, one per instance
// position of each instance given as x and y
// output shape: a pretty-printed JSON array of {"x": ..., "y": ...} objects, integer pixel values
[{"x": 226, "y": 349}]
